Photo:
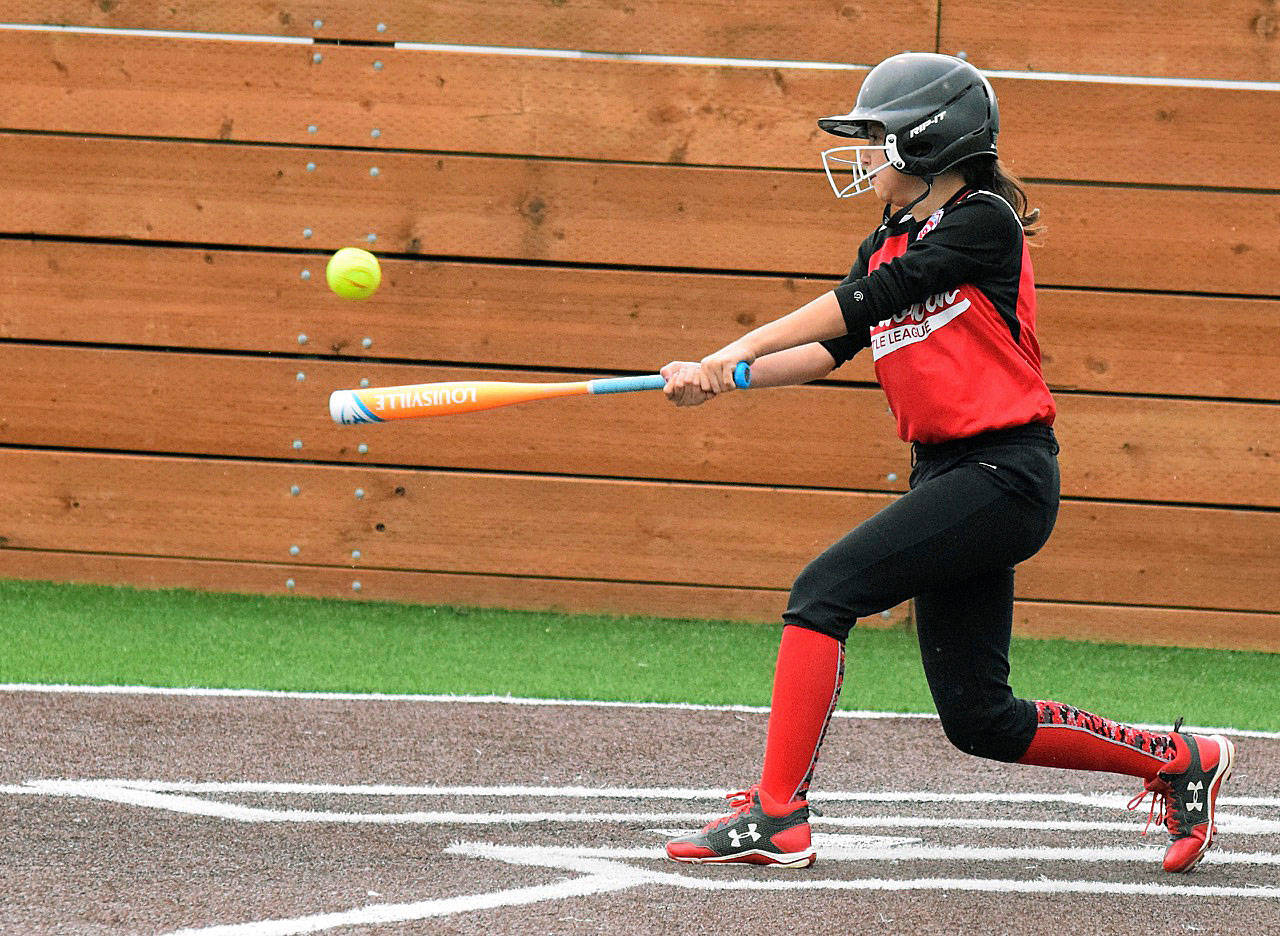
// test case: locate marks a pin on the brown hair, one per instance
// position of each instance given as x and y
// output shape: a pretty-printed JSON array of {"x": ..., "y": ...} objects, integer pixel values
[{"x": 989, "y": 173}]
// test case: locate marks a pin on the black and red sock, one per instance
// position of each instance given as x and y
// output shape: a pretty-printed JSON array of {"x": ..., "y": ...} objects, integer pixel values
[
  {"x": 1070, "y": 738},
  {"x": 806, "y": 686}
]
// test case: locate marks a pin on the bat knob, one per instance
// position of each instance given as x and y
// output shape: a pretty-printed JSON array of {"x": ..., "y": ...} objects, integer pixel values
[
  {"x": 742, "y": 375},
  {"x": 340, "y": 407},
  {"x": 346, "y": 409}
]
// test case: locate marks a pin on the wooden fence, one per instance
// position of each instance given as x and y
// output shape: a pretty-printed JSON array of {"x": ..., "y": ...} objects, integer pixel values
[{"x": 169, "y": 202}]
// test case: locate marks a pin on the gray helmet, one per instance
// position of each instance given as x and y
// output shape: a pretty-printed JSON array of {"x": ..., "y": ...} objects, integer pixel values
[{"x": 936, "y": 111}]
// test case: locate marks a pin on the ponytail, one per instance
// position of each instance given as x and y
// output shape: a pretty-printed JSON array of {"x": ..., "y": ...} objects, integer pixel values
[{"x": 987, "y": 172}]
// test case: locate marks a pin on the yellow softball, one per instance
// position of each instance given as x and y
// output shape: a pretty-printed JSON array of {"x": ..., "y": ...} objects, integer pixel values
[{"x": 353, "y": 273}]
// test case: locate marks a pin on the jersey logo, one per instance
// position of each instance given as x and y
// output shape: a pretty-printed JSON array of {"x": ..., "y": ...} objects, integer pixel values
[
  {"x": 930, "y": 224},
  {"x": 916, "y": 323}
]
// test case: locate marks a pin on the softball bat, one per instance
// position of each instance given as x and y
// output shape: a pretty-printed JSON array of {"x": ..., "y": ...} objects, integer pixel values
[{"x": 416, "y": 401}]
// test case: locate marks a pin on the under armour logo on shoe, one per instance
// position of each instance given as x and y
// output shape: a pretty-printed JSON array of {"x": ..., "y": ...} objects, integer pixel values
[
  {"x": 1194, "y": 790},
  {"x": 751, "y": 833}
]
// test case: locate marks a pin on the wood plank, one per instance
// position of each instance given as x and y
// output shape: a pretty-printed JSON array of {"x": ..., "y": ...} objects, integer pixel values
[
  {"x": 500, "y": 524},
  {"x": 1169, "y": 450},
  {"x": 576, "y": 318},
  {"x": 1052, "y": 130},
  {"x": 1116, "y": 553},
  {"x": 591, "y": 109},
  {"x": 771, "y": 29},
  {"x": 1233, "y": 39},
  {"x": 1235, "y": 630},
  {"x": 1114, "y": 447},
  {"x": 1160, "y": 627},
  {"x": 1143, "y": 343},
  {"x": 486, "y": 207}
]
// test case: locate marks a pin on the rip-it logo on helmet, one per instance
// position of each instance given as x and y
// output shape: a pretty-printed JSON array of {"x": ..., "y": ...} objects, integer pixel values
[{"x": 936, "y": 118}]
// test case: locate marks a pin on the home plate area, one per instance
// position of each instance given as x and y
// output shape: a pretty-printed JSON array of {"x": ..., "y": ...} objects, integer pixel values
[{"x": 272, "y": 813}]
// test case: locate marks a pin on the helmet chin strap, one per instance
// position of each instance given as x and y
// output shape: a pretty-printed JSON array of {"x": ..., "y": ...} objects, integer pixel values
[{"x": 928, "y": 187}]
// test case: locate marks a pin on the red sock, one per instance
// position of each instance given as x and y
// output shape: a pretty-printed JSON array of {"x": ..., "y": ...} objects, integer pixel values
[
  {"x": 806, "y": 685},
  {"x": 1068, "y": 737}
]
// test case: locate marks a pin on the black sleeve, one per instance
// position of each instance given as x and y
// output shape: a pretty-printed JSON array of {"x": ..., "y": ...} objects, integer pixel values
[
  {"x": 978, "y": 239},
  {"x": 846, "y": 346}
]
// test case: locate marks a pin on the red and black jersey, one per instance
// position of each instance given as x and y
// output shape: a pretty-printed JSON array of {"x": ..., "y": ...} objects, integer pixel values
[{"x": 948, "y": 308}]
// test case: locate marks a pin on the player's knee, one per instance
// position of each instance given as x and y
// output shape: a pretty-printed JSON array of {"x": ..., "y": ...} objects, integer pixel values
[
  {"x": 991, "y": 731},
  {"x": 815, "y": 605},
  {"x": 816, "y": 613}
]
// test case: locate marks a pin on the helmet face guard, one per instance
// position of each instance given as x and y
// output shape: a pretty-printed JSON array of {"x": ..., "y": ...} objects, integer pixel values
[
  {"x": 849, "y": 159},
  {"x": 936, "y": 111}
]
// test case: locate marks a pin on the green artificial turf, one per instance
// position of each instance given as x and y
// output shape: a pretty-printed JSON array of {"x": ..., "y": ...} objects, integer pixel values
[{"x": 100, "y": 635}]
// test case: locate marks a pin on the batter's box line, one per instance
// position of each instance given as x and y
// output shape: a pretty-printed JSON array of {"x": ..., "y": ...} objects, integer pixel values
[
  {"x": 603, "y": 875},
  {"x": 875, "y": 848},
  {"x": 1100, "y": 800},
  {"x": 188, "y": 798},
  {"x": 153, "y": 795}
]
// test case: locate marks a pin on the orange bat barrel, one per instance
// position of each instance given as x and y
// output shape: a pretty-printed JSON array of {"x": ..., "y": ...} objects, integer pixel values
[{"x": 378, "y": 404}]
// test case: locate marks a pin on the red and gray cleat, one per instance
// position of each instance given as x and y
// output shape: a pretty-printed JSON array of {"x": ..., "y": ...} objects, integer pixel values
[
  {"x": 751, "y": 835},
  {"x": 1186, "y": 790}
]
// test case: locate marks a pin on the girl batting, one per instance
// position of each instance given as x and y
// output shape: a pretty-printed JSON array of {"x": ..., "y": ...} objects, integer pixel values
[{"x": 942, "y": 296}]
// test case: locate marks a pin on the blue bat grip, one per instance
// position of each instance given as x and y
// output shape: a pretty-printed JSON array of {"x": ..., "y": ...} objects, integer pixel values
[
  {"x": 627, "y": 384},
  {"x": 741, "y": 380}
]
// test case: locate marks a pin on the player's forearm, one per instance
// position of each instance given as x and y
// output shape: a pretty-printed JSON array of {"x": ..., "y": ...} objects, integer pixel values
[
  {"x": 814, "y": 321},
  {"x": 792, "y": 366}
]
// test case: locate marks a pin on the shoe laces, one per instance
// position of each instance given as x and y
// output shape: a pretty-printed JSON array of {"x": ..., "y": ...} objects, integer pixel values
[
  {"x": 739, "y": 803},
  {"x": 1159, "y": 790}
]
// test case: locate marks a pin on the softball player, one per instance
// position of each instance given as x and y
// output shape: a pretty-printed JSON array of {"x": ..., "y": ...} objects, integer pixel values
[{"x": 943, "y": 296}]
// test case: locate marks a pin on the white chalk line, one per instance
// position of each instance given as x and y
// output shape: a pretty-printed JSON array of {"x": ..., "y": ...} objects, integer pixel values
[
  {"x": 604, "y": 875},
  {"x": 134, "y": 794},
  {"x": 599, "y": 877},
  {"x": 566, "y": 858},
  {"x": 197, "y": 692},
  {"x": 888, "y": 849},
  {"x": 1098, "y": 800},
  {"x": 559, "y": 857},
  {"x": 446, "y": 698},
  {"x": 869, "y": 848},
  {"x": 529, "y": 855}
]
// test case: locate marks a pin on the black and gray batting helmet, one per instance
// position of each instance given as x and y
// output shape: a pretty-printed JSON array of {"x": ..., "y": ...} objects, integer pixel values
[{"x": 936, "y": 111}]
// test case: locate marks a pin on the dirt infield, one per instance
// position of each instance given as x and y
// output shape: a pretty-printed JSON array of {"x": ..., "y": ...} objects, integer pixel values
[{"x": 259, "y": 814}]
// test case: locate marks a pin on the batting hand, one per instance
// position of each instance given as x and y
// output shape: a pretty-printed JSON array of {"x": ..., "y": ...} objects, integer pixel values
[
  {"x": 684, "y": 383},
  {"x": 717, "y": 369}
]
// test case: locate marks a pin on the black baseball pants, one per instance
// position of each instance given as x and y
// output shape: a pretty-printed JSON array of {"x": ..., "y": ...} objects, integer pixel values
[{"x": 976, "y": 508}]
